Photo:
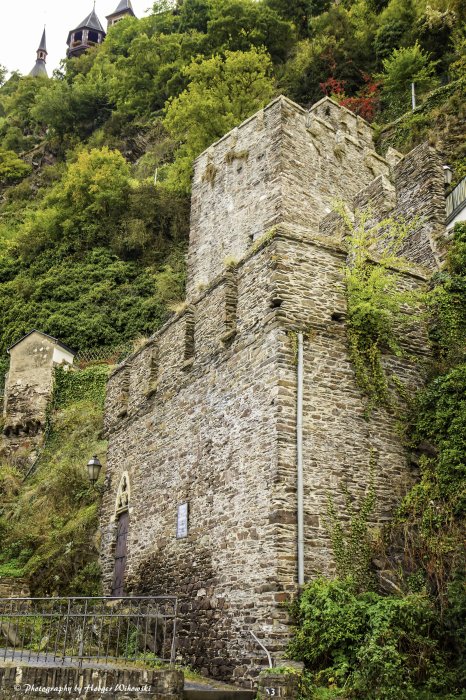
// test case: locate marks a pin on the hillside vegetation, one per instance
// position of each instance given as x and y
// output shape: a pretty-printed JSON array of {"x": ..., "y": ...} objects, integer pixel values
[
  {"x": 91, "y": 250},
  {"x": 95, "y": 168},
  {"x": 48, "y": 522}
]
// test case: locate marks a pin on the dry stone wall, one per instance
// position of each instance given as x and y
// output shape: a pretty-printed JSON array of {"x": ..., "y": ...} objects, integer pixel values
[{"x": 205, "y": 413}]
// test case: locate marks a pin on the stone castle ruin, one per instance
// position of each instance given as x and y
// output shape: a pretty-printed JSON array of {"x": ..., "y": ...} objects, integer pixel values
[{"x": 203, "y": 422}]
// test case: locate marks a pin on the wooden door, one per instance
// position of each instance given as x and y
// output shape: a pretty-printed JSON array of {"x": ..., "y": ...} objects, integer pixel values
[{"x": 120, "y": 556}]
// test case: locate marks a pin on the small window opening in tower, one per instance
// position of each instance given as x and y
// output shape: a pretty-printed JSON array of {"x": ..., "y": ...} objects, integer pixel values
[
  {"x": 77, "y": 38},
  {"x": 93, "y": 37}
]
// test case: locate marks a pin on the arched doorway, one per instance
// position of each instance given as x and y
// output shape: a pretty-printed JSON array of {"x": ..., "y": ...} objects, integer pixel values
[{"x": 121, "y": 552}]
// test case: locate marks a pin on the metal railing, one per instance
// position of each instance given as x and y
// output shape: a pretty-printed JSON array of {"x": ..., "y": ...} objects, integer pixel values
[
  {"x": 456, "y": 198},
  {"x": 71, "y": 631},
  {"x": 105, "y": 355}
]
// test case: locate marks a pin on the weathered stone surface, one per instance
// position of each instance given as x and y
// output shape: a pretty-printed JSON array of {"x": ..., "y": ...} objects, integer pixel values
[
  {"x": 28, "y": 388},
  {"x": 278, "y": 685},
  {"x": 205, "y": 413},
  {"x": 14, "y": 588},
  {"x": 49, "y": 683},
  {"x": 283, "y": 164}
]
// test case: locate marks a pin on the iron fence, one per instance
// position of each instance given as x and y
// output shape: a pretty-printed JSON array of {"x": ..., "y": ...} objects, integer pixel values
[
  {"x": 105, "y": 355},
  {"x": 74, "y": 630}
]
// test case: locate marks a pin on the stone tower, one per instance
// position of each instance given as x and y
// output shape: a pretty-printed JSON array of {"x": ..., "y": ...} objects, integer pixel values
[
  {"x": 39, "y": 70},
  {"x": 203, "y": 422},
  {"x": 28, "y": 387},
  {"x": 87, "y": 34},
  {"x": 124, "y": 9}
]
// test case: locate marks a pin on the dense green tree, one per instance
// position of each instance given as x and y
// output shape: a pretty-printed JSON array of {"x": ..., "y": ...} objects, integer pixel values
[
  {"x": 76, "y": 107},
  {"x": 299, "y": 11},
  {"x": 396, "y": 29},
  {"x": 19, "y": 130},
  {"x": 238, "y": 25},
  {"x": 403, "y": 67},
  {"x": 84, "y": 208},
  {"x": 194, "y": 14},
  {"x": 222, "y": 92}
]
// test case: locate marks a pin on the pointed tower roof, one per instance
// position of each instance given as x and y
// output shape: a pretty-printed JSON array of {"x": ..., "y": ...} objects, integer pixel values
[
  {"x": 39, "y": 70},
  {"x": 91, "y": 22},
  {"x": 43, "y": 43},
  {"x": 124, "y": 8}
]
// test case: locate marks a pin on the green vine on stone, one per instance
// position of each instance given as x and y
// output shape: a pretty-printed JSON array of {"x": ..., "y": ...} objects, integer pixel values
[
  {"x": 378, "y": 305},
  {"x": 352, "y": 544}
]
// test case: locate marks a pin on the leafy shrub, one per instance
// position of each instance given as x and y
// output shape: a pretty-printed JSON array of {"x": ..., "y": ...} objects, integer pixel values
[
  {"x": 364, "y": 645},
  {"x": 222, "y": 91},
  {"x": 12, "y": 168},
  {"x": 49, "y": 522},
  {"x": 377, "y": 301},
  {"x": 351, "y": 544}
]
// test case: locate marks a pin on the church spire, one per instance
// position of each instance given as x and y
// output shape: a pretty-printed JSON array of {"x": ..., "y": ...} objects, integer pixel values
[
  {"x": 39, "y": 69},
  {"x": 43, "y": 43}
]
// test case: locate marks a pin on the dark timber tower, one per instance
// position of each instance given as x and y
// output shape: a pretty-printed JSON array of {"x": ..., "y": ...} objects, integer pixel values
[
  {"x": 87, "y": 34},
  {"x": 39, "y": 70}
]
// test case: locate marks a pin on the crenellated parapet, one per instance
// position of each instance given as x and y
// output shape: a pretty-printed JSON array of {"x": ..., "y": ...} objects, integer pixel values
[
  {"x": 413, "y": 192},
  {"x": 262, "y": 288},
  {"x": 202, "y": 333},
  {"x": 283, "y": 165}
]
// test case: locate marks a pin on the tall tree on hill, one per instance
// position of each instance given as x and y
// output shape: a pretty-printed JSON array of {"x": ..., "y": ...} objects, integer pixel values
[{"x": 299, "y": 11}]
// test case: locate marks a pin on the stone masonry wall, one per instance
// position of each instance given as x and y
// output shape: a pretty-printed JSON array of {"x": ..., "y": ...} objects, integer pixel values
[
  {"x": 28, "y": 384},
  {"x": 205, "y": 413},
  {"x": 341, "y": 447},
  {"x": 14, "y": 588},
  {"x": 207, "y": 437},
  {"x": 220, "y": 434},
  {"x": 50, "y": 683},
  {"x": 282, "y": 164}
]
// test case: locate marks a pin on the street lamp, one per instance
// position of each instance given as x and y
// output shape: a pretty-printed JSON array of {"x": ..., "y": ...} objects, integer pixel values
[{"x": 93, "y": 469}]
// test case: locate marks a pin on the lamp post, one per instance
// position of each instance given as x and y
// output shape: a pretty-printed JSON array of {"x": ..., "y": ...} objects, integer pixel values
[{"x": 93, "y": 469}]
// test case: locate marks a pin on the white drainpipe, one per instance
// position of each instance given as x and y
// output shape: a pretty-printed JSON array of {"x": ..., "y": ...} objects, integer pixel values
[{"x": 299, "y": 455}]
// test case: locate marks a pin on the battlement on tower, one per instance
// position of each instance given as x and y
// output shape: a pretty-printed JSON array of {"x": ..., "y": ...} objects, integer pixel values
[
  {"x": 275, "y": 178},
  {"x": 283, "y": 165},
  {"x": 289, "y": 165}
]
